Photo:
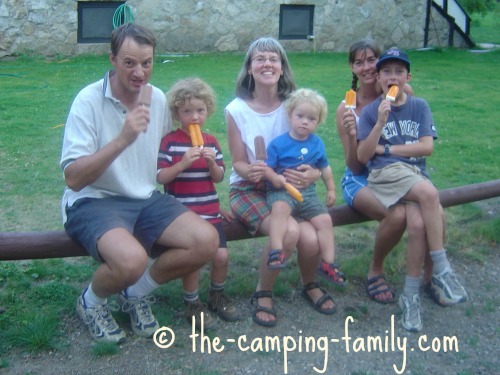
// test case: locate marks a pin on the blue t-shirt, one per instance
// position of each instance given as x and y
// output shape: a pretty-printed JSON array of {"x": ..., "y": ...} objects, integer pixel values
[
  {"x": 284, "y": 152},
  {"x": 406, "y": 124}
]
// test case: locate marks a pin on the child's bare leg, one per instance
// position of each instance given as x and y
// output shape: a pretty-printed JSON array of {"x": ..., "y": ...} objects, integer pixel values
[
  {"x": 220, "y": 265},
  {"x": 280, "y": 213},
  {"x": 327, "y": 268},
  {"x": 324, "y": 228},
  {"x": 218, "y": 301},
  {"x": 267, "y": 277},
  {"x": 427, "y": 196},
  {"x": 190, "y": 283}
]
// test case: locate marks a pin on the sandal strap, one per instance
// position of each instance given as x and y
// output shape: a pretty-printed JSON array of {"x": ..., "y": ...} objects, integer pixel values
[
  {"x": 275, "y": 256},
  {"x": 374, "y": 288},
  {"x": 321, "y": 300},
  {"x": 261, "y": 294},
  {"x": 375, "y": 279},
  {"x": 269, "y": 310},
  {"x": 312, "y": 285}
]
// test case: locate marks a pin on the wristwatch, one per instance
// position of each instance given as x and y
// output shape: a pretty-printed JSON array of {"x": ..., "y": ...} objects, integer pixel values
[{"x": 387, "y": 149}]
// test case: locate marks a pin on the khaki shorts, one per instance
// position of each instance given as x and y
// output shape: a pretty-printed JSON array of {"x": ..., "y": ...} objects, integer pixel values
[{"x": 393, "y": 182}]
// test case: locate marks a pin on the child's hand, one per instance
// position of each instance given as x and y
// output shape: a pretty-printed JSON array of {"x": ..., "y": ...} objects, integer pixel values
[
  {"x": 192, "y": 154},
  {"x": 209, "y": 154},
  {"x": 278, "y": 181},
  {"x": 227, "y": 215},
  {"x": 331, "y": 197},
  {"x": 383, "y": 112}
]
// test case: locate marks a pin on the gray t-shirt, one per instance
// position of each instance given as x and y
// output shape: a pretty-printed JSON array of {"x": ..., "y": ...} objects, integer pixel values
[{"x": 406, "y": 124}]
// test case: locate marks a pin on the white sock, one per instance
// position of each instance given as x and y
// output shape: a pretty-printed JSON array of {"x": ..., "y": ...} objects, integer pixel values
[
  {"x": 412, "y": 285},
  {"x": 439, "y": 261},
  {"x": 91, "y": 299},
  {"x": 190, "y": 297},
  {"x": 144, "y": 286}
]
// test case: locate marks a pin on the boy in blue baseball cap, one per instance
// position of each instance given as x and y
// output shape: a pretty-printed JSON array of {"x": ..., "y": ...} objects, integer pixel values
[{"x": 395, "y": 134}]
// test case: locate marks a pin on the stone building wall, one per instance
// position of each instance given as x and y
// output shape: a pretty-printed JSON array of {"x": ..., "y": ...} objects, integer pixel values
[{"x": 49, "y": 27}]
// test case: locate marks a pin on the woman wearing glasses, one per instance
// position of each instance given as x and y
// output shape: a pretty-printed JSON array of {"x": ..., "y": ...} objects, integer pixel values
[{"x": 263, "y": 83}]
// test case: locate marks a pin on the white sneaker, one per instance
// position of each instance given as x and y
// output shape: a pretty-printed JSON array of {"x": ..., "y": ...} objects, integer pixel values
[
  {"x": 102, "y": 325},
  {"x": 446, "y": 290},
  {"x": 142, "y": 320},
  {"x": 410, "y": 319}
]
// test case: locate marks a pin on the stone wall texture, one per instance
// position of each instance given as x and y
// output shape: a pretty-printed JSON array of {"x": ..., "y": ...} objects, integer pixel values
[{"x": 49, "y": 27}]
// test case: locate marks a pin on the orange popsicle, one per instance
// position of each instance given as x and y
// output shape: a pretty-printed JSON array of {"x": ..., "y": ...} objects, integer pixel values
[
  {"x": 260, "y": 148},
  {"x": 195, "y": 133},
  {"x": 145, "y": 94},
  {"x": 350, "y": 99},
  {"x": 293, "y": 192},
  {"x": 393, "y": 92}
]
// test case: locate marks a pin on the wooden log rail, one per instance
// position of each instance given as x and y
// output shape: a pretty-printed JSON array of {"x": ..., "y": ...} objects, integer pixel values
[{"x": 57, "y": 244}]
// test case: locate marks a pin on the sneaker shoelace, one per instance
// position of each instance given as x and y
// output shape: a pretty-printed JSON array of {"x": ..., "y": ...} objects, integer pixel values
[
  {"x": 413, "y": 311},
  {"x": 101, "y": 315},
  {"x": 142, "y": 307},
  {"x": 452, "y": 282}
]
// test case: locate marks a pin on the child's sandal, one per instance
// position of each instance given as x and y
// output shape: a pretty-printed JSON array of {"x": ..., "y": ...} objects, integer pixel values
[
  {"x": 332, "y": 273},
  {"x": 276, "y": 260}
]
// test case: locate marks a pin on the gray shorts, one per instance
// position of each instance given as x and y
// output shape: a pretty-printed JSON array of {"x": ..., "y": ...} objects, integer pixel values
[
  {"x": 309, "y": 208},
  {"x": 90, "y": 218},
  {"x": 393, "y": 182}
]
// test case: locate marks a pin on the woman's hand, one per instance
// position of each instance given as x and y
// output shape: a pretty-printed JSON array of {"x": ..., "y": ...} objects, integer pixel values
[
  {"x": 256, "y": 171},
  {"x": 349, "y": 123},
  {"x": 303, "y": 176}
]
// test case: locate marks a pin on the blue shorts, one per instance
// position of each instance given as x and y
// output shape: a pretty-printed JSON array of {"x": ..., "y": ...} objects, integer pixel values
[
  {"x": 351, "y": 184},
  {"x": 90, "y": 218},
  {"x": 222, "y": 235}
]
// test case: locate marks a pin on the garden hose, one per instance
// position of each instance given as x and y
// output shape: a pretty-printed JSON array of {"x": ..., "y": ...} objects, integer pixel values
[{"x": 123, "y": 14}]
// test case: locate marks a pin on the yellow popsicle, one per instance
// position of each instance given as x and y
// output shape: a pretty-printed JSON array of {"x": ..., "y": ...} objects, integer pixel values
[
  {"x": 393, "y": 92},
  {"x": 350, "y": 99}
]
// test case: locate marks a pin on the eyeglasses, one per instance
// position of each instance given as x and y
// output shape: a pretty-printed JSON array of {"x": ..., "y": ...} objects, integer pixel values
[{"x": 262, "y": 60}]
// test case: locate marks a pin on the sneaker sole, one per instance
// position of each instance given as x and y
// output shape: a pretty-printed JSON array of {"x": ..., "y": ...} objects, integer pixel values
[
  {"x": 147, "y": 333},
  {"x": 433, "y": 292}
]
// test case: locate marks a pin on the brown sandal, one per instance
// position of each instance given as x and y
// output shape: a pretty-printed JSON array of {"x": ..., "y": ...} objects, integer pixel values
[
  {"x": 254, "y": 301},
  {"x": 321, "y": 300}
]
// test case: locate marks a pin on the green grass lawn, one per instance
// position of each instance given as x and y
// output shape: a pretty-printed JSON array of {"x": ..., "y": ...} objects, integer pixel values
[
  {"x": 486, "y": 29},
  {"x": 460, "y": 86}
]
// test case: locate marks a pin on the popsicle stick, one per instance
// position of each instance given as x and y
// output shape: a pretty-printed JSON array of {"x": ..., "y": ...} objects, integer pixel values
[{"x": 145, "y": 94}]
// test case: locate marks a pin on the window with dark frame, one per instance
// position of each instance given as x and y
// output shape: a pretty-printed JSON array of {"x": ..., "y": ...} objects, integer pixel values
[
  {"x": 296, "y": 21},
  {"x": 95, "y": 20}
]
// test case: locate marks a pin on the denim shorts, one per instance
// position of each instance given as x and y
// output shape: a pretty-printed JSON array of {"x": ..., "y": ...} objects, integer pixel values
[
  {"x": 352, "y": 184},
  {"x": 90, "y": 218}
]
